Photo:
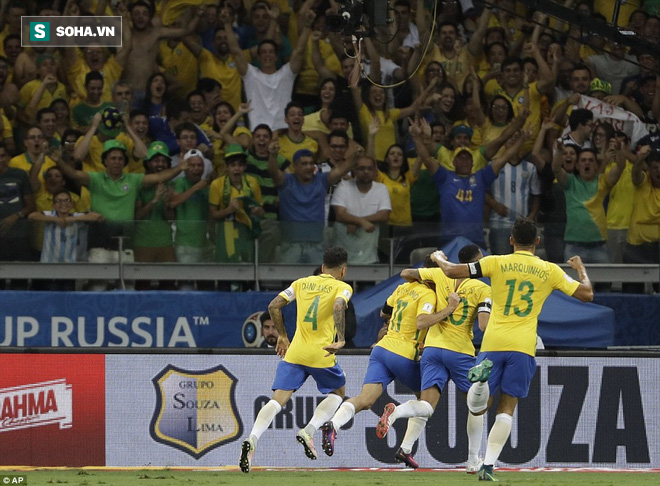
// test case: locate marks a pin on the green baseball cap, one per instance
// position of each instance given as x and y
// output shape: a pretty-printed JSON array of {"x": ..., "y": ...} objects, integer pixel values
[
  {"x": 233, "y": 150},
  {"x": 111, "y": 145},
  {"x": 157, "y": 148}
]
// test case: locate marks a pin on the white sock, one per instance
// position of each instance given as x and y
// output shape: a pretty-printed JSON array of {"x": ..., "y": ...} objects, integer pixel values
[
  {"x": 477, "y": 397},
  {"x": 345, "y": 413},
  {"x": 413, "y": 431},
  {"x": 264, "y": 419},
  {"x": 497, "y": 437},
  {"x": 475, "y": 431},
  {"x": 323, "y": 412},
  {"x": 412, "y": 408}
]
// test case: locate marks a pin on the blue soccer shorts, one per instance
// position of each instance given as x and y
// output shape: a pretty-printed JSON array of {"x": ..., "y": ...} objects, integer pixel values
[
  {"x": 440, "y": 365},
  {"x": 385, "y": 366},
  {"x": 291, "y": 376},
  {"x": 512, "y": 372}
]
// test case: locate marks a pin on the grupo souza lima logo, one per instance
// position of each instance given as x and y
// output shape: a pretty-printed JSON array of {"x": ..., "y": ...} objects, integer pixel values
[
  {"x": 196, "y": 411},
  {"x": 36, "y": 404},
  {"x": 71, "y": 31}
]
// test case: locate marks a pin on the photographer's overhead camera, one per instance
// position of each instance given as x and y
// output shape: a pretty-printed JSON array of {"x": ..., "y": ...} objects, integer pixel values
[{"x": 357, "y": 17}]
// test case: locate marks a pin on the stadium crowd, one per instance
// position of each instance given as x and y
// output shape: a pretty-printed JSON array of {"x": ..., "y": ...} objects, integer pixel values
[{"x": 218, "y": 122}]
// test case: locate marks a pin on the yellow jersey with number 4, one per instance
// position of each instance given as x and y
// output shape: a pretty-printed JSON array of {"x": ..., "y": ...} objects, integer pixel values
[
  {"x": 521, "y": 282},
  {"x": 315, "y": 325},
  {"x": 408, "y": 301}
]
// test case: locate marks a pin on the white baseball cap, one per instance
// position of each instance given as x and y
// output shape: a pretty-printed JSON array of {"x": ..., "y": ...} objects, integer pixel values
[{"x": 193, "y": 153}]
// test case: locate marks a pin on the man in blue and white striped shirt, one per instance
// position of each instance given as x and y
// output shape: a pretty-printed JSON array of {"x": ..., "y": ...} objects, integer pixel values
[
  {"x": 65, "y": 232},
  {"x": 515, "y": 193}
]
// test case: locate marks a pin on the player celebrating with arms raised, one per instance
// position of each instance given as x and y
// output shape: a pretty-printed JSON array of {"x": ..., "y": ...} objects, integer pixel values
[
  {"x": 321, "y": 305},
  {"x": 521, "y": 282}
]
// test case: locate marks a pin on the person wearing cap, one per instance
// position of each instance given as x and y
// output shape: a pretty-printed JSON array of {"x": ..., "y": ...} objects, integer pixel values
[
  {"x": 191, "y": 201},
  {"x": 114, "y": 192},
  {"x": 302, "y": 203},
  {"x": 153, "y": 217},
  {"x": 599, "y": 89},
  {"x": 461, "y": 137},
  {"x": 462, "y": 193},
  {"x": 40, "y": 93},
  {"x": 235, "y": 207},
  {"x": 186, "y": 140},
  {"x": 107, "y": 125},
  {"x": 602, "y": 90}
]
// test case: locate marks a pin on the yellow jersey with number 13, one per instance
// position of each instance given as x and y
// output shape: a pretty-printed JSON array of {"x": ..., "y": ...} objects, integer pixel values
[
  {"x": 520, "y": 282},
  {"x": 315, "y": 326}
]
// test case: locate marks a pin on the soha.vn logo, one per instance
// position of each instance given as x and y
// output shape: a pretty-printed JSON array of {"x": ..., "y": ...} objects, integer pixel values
[{"x": 195, "y": 410}]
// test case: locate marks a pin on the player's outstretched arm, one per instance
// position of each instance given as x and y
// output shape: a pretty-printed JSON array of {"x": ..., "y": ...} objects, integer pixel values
[
  {"x": 410, "y": 274},
  {"x": 452, "y": 270},
  {"x": 275, "y": 311},
  {"x": 585, "y": 291},
  {"x": 339, "y": 316}
]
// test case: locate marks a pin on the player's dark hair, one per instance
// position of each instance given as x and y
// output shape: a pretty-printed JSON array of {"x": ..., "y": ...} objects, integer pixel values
[
  {"x": 524, "y": 232},
  {"x": 265, "y": 316},
  {"x": 428, "y": 263},
  {"x": 468, "y": 253},
  {"x": 335, "y": 257}
]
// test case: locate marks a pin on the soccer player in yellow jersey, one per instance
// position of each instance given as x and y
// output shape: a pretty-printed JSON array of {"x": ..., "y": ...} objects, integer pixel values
[
  {"x": 411, "y": 311},
  {"x": 521, "y": 283},
  {"x": 448, "y": 351},
  {"x": 321, "y": 302}
]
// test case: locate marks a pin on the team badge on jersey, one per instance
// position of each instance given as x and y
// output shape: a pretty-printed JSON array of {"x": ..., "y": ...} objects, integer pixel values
[{"x": 195, "y": 410}]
